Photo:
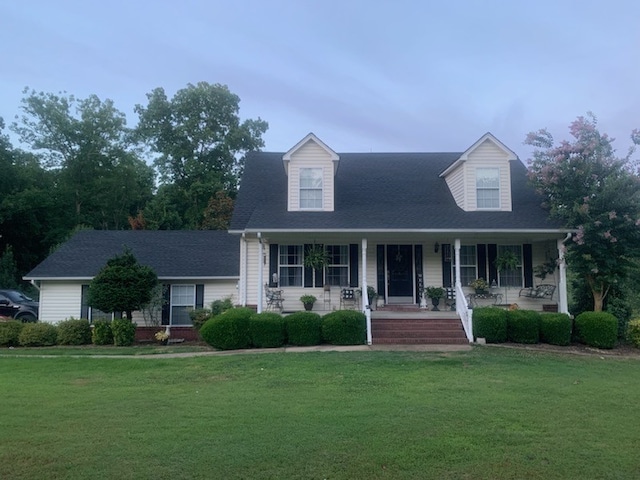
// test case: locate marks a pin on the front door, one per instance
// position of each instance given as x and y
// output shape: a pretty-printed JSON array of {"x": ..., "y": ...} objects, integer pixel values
[{"x": 400, "y": 273}]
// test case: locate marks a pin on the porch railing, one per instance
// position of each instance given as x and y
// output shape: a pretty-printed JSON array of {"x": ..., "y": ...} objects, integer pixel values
[{"x": 465, "y": 314}]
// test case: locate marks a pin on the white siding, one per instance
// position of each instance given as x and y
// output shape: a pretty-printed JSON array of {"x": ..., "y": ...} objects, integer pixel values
[
  {"x": 60, "y": 300},
  {"x": 488, "y": 155},
  {"x": 455, "y": 181},
  {"x": 310, "y": 155}
]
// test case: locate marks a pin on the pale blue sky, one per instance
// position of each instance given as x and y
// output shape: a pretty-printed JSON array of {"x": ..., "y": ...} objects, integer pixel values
[{"x": 362, "y": 75}]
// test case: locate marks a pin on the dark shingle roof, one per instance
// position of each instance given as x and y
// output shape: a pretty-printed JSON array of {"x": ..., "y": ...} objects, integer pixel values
[
  {"x": 375, "y": 191},
  {"x": 172, "y": 254}
]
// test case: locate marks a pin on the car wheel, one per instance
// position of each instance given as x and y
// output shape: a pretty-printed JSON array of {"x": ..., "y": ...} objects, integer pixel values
[{"x": 28, "y": 318}]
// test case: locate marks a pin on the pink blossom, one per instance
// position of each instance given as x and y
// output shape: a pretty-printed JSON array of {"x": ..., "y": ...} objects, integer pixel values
[{"x": 612, "y": 215}]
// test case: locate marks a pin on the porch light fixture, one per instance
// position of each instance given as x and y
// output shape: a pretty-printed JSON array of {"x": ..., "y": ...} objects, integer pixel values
[{"x": 436, "y": 247}]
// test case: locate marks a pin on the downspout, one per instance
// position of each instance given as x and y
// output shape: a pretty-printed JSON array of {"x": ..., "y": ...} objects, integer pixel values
[
  {"x": 366, "y": 308},
  {"x": 260, "y": 271},
  {"x": 563, "y": 306}
]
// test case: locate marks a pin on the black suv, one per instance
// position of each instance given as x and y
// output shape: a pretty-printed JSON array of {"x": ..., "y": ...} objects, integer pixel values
[{"x": 17, "y": 305}]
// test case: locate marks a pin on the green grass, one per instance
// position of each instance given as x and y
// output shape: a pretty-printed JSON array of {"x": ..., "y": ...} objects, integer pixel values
[
  {"x": 92, "y": 350},
  {"x": 484, "y": 414}
]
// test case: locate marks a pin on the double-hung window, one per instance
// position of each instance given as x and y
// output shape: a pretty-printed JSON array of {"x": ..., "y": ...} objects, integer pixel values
[
  {"x": 468, "y": 265},
  {"x": 338, "y": 267},
  {"x": 290, "y": 265},
  {"x": 311, "y": 188},
  {"x": 183, "y": 299},
  {"x": 511, "y": 277},
  {"x": 488, "y": 188}
]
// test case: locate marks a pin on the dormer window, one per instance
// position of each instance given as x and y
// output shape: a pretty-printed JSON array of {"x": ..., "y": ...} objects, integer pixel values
[
  {"x": 311, "y": 188},
  {"x": 488, "y": 188}
]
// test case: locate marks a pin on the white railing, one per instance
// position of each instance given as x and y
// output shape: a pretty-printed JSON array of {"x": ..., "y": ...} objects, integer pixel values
[{"x": 465, "y": 314}]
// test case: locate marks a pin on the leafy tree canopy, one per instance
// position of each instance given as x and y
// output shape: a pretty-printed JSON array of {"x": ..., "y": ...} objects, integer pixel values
[
  {"x": 598, "y": 194},
  {"x": 123, "y": 285}
]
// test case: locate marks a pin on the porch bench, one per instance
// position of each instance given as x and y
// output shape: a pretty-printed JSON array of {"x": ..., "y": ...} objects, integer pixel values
[{"x": 541, "y": 291}]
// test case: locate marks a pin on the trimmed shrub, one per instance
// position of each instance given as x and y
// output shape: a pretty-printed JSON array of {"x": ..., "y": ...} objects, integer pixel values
[
  {"x": 267, "y": 330},
  {"x": 74, "y": 332},
  {"x": 303, "y": 328},
  {"x": 490, "y": 323},
  {"x": 344, "y": 327},
  {"x": 102, "y": 334},
  {"x": 633, "y": 332},
  {"x": 229, "y": 330},
  {"x": 124, "y": 332},
  {"x": 199, "y": 316},
  {"x": 39, "y": 334},
  {"x": 523, "y": 326},
  {"x": 597, "y": 329},
  {"x": 555, "y": 328},
  {"x": 221, "y": 306},
  {"x": 10, "y": 333}
]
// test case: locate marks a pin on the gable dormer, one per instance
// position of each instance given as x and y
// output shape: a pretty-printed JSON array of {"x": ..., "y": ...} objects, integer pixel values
[
  {"x": 480, "y": 180},
  {"x": 310, "y": 167}
]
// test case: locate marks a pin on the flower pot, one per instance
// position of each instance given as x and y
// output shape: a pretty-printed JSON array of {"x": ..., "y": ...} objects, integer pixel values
[
  {"x": 435, "y": 302},
  {"x": 308, "y": 306}
]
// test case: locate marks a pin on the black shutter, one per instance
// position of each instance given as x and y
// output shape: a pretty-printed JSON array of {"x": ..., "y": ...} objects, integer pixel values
[
  {"x": 166, "y": 304},
  {"x": 199, "y": 296},
  {"x": 380, "y": 269},
  {"x": 84, "y": 302},
  {"x": 481, "y": 253},
  {"x": 419, "y": 276},
  {"x": 273, "y": 263},
  {"x": 446, "y": 265},
  {"x": 353, "y": 265},
  {"x": 492, "y": 250},
  {"x": 527, "y": 264},
  {"x": 308, "y": 271}
]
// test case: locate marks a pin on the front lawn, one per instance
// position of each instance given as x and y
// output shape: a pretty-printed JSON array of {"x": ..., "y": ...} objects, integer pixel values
[{"x": 484, "y": 414}]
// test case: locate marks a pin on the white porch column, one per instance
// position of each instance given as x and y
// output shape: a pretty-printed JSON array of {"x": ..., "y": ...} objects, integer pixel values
[
  {"x": 563, "y": 306},
  {"x": 242, "y": 284},
  {"x": 456, "y": 247},
  {"x": 366, "y": 308},
  {"x": 260, "y": 272}
]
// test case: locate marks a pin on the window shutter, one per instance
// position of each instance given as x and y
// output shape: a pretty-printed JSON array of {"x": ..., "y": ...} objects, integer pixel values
[
  {"x": 353, "y": 265},
  {"x": 380, "y": 269},
  {"x": 166, "y": 304},
  {"x": 84, "y": 302},
  {"x": 481, "y": 253},
  {"x": 308, "y": 271},
  {"x": 446, "y": 265},
  {"x": 492, "y": 250},
  {"x": 199, "y": 295},
  {"x": 273, "y": 263},
  {"x": 419, "y": 277},
  {"x": 527, "y": 264}
]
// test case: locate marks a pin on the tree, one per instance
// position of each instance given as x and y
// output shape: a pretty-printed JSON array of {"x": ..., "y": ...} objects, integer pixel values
[
  {"x": 591, "y": 190},
  {"x": 123, "y": 285},
  {"x": 217, "y": 215},
  {"x": 200, "y": 143},
  {"x": 87, "y": 143},
  {"x": 8, "y": 269}
]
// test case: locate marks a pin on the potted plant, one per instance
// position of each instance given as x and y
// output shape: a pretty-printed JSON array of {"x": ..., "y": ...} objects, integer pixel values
[
  {"x": 435, "y": 294},
  {"x": 308, "y": 301},
  {"x": 316, "y": 257},
  {"x": 480, "y": 285}
]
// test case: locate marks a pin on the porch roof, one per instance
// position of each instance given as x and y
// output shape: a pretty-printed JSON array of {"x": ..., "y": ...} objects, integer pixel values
[{"x": 382, "y": 192}]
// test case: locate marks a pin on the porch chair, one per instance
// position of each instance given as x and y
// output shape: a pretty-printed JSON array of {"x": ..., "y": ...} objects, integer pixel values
[
  {"x": 274, "y": 298},
  {"x": 541, "y": 291},
  {"x": 348, "y": 298}
]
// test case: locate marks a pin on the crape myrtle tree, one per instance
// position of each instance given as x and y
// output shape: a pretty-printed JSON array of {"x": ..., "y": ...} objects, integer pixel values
[
  {"x": 123, "y": 285},
  {"x": 200, "y": 144},
  {"x": 596, "y": 193}
]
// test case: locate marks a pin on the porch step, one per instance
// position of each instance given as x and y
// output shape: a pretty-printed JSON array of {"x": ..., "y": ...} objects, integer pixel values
[{"x": 406, "y": 331}]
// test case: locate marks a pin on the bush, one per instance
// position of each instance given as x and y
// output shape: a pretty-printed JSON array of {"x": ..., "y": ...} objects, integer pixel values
[
  {"x": 303, "y": 328},
  {"x": 39, "y": 334},
  {"x": 344, "y": 327},
  {"x": 267, "y": 330},
  {"x": 597, "y": 329},
  {"x": 490, "y": 323},
  {"x": 555, "y": 328},
  {"x": 10, "y": 333},
  {"x": 199, "y": 316},
  {"x": 633, "y": 332},
  {"x": 102, "y": 334},
  {"x": 124, "y": 332},
  {"x": 221, "y": 306},
  {"x": 74, "y": 332},
  {"x": 229, "y": 330},
  {"x": 523, "y": 326}
]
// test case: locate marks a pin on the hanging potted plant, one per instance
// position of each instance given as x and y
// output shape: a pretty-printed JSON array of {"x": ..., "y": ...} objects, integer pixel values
[
  {"x": 316, "y": 257},
  {"x": 507, "y": 260},
  {"x": 435, "y": 294}
]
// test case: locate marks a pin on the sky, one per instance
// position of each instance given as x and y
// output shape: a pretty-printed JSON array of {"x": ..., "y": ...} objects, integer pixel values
[{"x": 374, "y": 75}]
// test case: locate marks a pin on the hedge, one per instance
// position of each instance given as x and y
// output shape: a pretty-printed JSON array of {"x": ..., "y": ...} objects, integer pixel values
[
  {"x": 229, "y": 330},
  {"x": 39, "y": 334},
  {"x": 523, "y": 326},
  {"x": 490, "y": 323},
  {"x": 10, "y": 333},
  {"x": 555, "y": 328},
  {"x": 597, "y": 329},
  {"x": 124, "y": 332},
  {"x": 633, "y": 332},
  {"x": 267, "y": 330},
  {"x": 344, "y": 327},
  {"x": 303, "y": 328},
  {"x": 74, "y": 332},
  {"x": 102, "y": 334}
]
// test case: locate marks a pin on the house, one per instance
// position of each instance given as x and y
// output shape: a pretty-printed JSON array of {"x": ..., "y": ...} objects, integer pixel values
[
  {"x": 194, "y": 267},
  {"x": 396, "y": 221}
]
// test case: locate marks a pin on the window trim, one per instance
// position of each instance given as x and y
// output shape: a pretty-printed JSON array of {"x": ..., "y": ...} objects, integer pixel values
[
  {"x": 187, "y": 306},
  {"x": 474, "y": 265},
  {"x": 302, "y": 188},
  {"x": 291, "y": 265},
  {"x": 346, "y": 266},
  {"x": 520, "y": 267},
  {"x": 480, "y": 188}
]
